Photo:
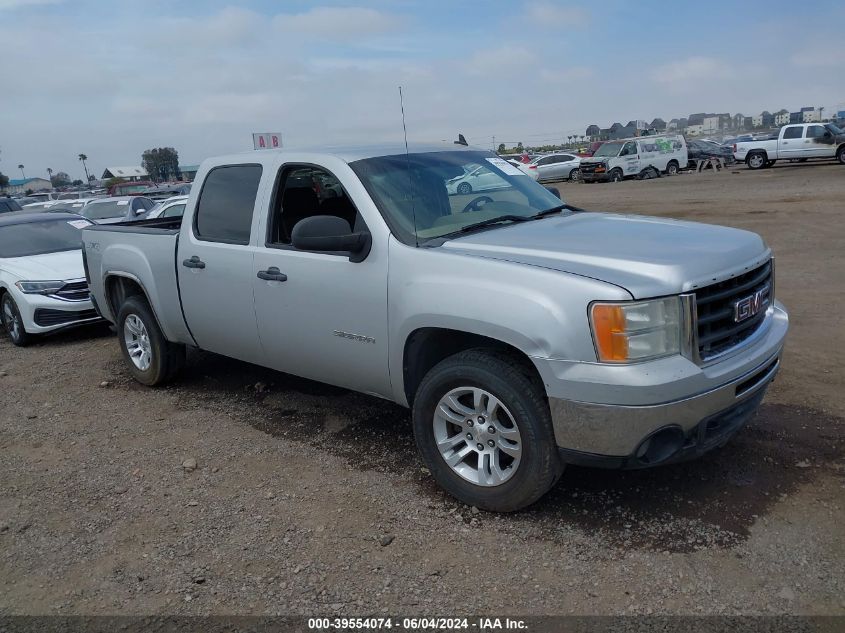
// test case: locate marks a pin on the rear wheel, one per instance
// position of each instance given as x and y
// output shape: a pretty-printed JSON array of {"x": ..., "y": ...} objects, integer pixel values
[
  {"x": 616, "y": 175},
  {"x": 575, "y": 175},
  {"x": 152, "y": 359},
  {"x": 840, "y": 155},
  {"x": 484, "y": 430},
  {"x": 672, "y": 168},
  {"x": 13, "y": 322},
  {"x": 464, "y": 188},
  {"x": 756, "y": 160}
]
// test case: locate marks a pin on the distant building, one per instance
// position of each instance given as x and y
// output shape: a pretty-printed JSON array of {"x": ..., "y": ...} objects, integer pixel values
[
  {"x": 747, "y": 124},
  {"x": 781, "y": 117},
  {"x": 615, "y": 127},
  {"x": 22, "y": 185},
  {"x": 127, "y": 173},
  {"x": 711, "y": 124},
  {"x": 593, "y": 131},
  {"x": 757, "y": 120},
  {"x": 738, "y": 121},
  {"x": 658, "y": 124},
  {"x": 189, "y": 172},
  {"x": 674, "y": 124},
  {"x": 695, "y": 129},
  {"x": 796, "y": 117},
  {"x": 811, "y": 116}
]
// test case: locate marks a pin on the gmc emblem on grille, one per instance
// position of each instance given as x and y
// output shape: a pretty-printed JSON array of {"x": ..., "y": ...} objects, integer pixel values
[{"x": 747, "y": 307}]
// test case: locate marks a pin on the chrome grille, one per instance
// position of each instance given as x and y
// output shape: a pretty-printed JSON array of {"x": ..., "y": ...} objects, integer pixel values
[
  {"x": 720, "y": 324},
  {"x": 73, "y": 291}
]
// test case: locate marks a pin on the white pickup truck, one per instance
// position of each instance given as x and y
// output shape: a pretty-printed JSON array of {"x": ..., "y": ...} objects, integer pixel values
[{"x": 801, "y": 142}]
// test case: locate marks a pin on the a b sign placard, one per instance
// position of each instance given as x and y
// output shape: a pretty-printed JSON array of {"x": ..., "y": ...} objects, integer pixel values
[{"x": 266, "y": 140}]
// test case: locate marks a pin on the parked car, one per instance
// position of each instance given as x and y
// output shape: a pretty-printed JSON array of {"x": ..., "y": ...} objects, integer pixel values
[
  {"x": 171, "y": 208},
  {"x": 523, "y": 334},
  {"x": 476, "y": 177},
  {"x": 44, "y": 196},
  {"x": 8, "y": 205},
  {"x": 42, "y": 278},
  {"x": 135, "y": 188},
  {"x": 626, "y": 158},
  {"x": 162, "y": 192},
  {"x": 700, "y": 150},
  {"x": 559, "y": 166},
  {"x": 117, "y": 209},
  {"x": 803, "y": 141}
]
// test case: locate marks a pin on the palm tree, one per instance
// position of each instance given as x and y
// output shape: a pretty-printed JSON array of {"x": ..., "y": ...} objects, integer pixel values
[
  {"x": 22, "y": 174},
  {"x": 83, "y": 158},
  {"x": 50, "y": 174}
]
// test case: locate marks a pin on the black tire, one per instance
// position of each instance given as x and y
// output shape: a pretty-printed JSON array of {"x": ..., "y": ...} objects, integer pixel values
[
  {"x": 575, "y": 175},
  {"x": 464, "y": 188},
  {"x": 616, "y": 175},
  {"x": 14, "y": 326},
  {"x": 802, "y": 160},
  {"x": 840, "y": 155},
  {"x": 167, "y": 358},
  {"x": 672, "y": 168},
  {"x": 539, "y": 466},
  {"x": 756, "y": 160}
]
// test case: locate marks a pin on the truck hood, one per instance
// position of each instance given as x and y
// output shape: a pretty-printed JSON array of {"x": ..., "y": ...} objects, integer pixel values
[
  {"x": 647, "y": 256},
  {"x": 63, "y": 266}
]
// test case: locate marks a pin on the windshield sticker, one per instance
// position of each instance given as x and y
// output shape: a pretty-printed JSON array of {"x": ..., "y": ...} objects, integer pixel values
[
  {"x": 79, "y": 224},
  {"x": 122, "y": 203},
  {"x": 505, "y": 166}
]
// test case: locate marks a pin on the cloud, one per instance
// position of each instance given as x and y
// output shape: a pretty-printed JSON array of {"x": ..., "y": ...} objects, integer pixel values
[
  {"x": 499, "y": 61},
  {"x": 338, "y": 22},
  {"x": 231, "y": 26},
  {"x": 16, "y": 4},
  {"x": 818, "y": 56},
  {"x": 693, "y": 69},
  {"x": 553, "y": 15}
]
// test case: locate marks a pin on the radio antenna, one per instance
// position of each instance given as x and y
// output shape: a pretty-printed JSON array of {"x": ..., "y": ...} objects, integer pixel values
[{"x": 408, "y": 163}]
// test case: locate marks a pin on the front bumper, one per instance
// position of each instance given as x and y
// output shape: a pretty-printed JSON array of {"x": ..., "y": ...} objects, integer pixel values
[
  {"x": 702, "y": 407},
  {"x": 42, "y": 314},
  {"x": 601, "y": 176}
]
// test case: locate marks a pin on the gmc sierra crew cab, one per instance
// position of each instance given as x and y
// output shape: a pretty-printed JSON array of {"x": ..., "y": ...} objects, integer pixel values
[
  {"x": 800, "y": 142},
  {"x": 524, "y": 334}
]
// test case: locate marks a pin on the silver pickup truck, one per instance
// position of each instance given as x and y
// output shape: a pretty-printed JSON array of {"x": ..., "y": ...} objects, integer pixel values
[{"x": 523, "y": 333}]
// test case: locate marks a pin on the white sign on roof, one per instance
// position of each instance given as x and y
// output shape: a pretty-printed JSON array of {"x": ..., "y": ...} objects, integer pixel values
[{"x": 266, "y": 140}]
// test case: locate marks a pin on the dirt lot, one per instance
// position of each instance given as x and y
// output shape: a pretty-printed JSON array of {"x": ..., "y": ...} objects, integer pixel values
[{"x": 308, "y": 499}]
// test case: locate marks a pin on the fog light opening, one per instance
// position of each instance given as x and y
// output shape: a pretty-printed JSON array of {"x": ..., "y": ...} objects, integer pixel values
[{"x": 660, "y": 446}]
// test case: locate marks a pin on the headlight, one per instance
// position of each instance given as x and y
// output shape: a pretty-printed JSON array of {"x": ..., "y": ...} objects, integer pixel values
[
  {"x": 39, "y": 287},
  {"x": 636, "y": 330}
]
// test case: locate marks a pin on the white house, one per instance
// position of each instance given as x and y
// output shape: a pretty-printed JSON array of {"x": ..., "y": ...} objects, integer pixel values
[
  {"x": 810, "y": 116},
  {"x": 127, "y": 173},
  {"x": 695, "y": 130},
  {"x": 711, "y": 124},
  {"x": 757, "y": 120},
  {"x": 782, "y": 118}
]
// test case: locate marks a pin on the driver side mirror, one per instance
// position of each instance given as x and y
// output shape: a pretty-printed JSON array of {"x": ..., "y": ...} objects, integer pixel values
[{"x": 331, "y": 234}]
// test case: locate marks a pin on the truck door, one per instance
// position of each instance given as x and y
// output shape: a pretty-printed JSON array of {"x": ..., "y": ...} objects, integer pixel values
[
  {"x": 816, "y": 144},
  {"x": 319, "y": 315},
  {"x": 791, "y": 143},
  {"x": 214, "y": 262},
  {"x": 631, "y": 158}
]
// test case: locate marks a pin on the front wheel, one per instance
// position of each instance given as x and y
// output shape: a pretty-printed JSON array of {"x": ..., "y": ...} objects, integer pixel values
[
  {"x": 13, "y": 322},
  {"x": 484, "y": 430},
  {"x": 464, "y": 188},
  {"x": 152, "y": 359},
  {"x": 672, "y": 169},
  {"x": 616, "y": 175}
]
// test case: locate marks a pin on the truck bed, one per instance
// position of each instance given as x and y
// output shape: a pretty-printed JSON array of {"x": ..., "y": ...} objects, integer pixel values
[{"x": 142, "y": 253}]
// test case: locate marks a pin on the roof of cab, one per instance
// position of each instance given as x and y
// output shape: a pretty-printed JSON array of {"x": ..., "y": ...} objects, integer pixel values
[{"x": 352, "y": 153}]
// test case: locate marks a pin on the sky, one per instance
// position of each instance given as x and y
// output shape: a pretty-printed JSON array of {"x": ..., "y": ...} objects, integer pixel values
[{"x": 111, "y": 79}]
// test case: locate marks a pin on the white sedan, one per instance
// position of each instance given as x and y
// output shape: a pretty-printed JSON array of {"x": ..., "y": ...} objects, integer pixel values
[
  {"x": 170, "y": 208},
  {"x": 42, "y": 277},
  {"x": 476, "y": 178}
]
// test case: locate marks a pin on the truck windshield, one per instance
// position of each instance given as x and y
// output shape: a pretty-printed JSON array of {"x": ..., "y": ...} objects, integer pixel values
[
  {"x": 608, "y": 149},
  {"x": 426, "y": 196},
  {"x": 41, "y": 237}
]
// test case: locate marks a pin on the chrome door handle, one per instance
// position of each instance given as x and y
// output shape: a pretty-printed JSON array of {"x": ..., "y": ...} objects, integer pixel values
[{"x": 272, "y": 274}]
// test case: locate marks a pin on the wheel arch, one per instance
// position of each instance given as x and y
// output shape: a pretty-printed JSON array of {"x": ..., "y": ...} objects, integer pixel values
[{"x": 427, "y": 346}]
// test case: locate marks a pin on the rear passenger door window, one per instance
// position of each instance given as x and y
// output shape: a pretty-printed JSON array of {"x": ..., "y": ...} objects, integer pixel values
[
  {"x": 303, "y": 191},
  {"x": 226, "y": 204},
  {"x": 793, "y": 132}
]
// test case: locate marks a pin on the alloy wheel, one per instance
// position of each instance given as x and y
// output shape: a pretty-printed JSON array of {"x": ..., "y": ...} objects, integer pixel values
[
  {"x": 137, "y": 342},
  {"x": 12, "y": 320},
  {"x": 477, "y": 436}
]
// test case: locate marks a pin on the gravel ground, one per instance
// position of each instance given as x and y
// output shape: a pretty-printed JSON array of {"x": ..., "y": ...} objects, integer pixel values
[{"x": 239, "y": 490}]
